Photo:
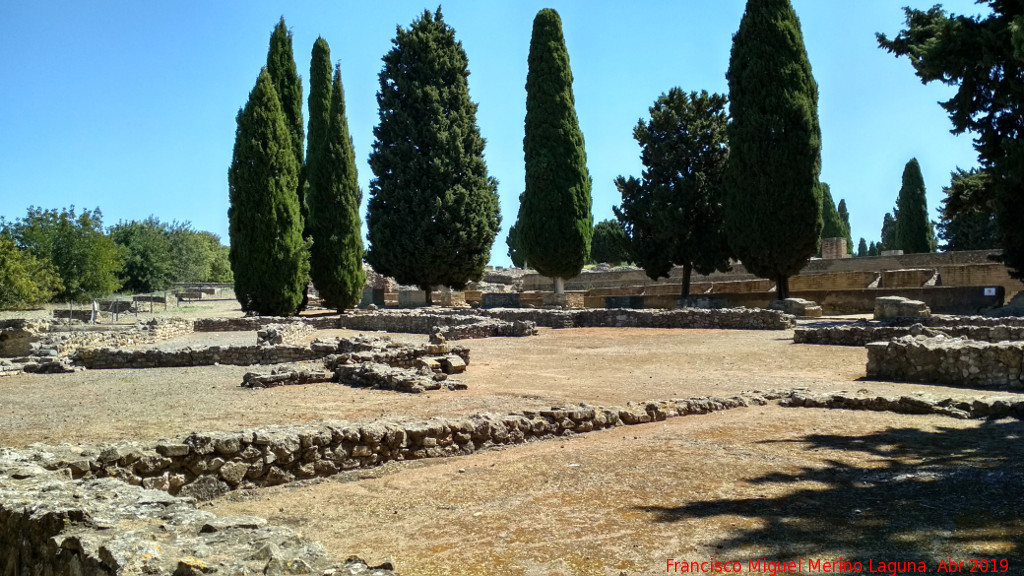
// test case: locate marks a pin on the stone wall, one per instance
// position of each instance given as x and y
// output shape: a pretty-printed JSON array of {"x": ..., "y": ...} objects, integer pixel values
[
  {"x": 862, "y": 333},
  {"x": 53, "y": 338},
  {"x": 956, "y": 407},
  {"x": 739, "y": 318},
  {"x": 947, "y": 361},
  {"x": 52, "y": 525}
]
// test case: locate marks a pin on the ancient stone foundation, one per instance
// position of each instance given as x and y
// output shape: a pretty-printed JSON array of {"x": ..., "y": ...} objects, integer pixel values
[
  {"x": 862, "y": 333},
  {"x": 947, "y": 361}
]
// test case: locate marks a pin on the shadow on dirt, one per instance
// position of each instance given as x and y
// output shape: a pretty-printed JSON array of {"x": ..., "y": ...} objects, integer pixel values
[{"x": 926, "y": 496}]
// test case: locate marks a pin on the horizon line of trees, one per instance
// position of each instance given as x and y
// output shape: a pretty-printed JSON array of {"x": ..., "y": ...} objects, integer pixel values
[{"x": 63, "y": 255}]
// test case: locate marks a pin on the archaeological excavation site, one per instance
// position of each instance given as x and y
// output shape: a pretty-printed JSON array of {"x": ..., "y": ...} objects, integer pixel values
[{"x": 559, "y": 439}]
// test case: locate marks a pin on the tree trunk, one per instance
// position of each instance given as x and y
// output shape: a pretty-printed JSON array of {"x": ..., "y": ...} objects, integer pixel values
[
  {"x": 782, "y": 287},
  {"x": 687, "y": 271},
  {"x": 559, "y": 285},
  {"x": 429, "y": 298}
]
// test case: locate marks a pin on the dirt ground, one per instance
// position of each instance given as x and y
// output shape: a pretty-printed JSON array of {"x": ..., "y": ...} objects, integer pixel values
[
  {"x": 766, "y": 482},
  {"x": 597, "y": 366}
]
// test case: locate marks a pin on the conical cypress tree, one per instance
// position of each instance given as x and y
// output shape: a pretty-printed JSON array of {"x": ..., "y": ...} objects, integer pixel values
[
  {"x": 433, "y": 211},
  {"x": 268, "y": 255},
  {"x": 320, "y": 70},
  {"x": 336, "y": 263},
  {"x": 913, "y": 227},
  {"x": 285, "y": 76},
  {"x": 862, "y": 248},
  {"x": 772, "y": 201},
  {"x": 844, "y": 215},
  {"x": 555, "y": 223},
  {"x": 888, "y": 240},
  {"x": 832, "y": 224}
]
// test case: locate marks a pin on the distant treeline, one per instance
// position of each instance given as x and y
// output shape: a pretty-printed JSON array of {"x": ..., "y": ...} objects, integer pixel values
[{"x": 62, "y": 255}]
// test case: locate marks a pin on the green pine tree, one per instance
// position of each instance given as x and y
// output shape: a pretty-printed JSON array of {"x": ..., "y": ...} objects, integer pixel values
[
  {"x": 513, "y": 241},
  {"x": 336, "y": 258},
  {"x": 555, "y": 224},
  {"x": 433, "y": 210},
  {"x": 673, "y": 214},
  {"x": 269, "y": 258},
  {"x": 772, "y": 202},
  {"x": 913, "y": 227},
  {"x": 862, "y": 248},
  {"x": 968, "y": 212},
  {"x": 609, "y": 243}
]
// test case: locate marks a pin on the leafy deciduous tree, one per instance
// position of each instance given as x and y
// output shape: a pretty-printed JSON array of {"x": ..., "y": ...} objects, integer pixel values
[
  {"x": 146, "y": 247},
  {"x": 25, "y": 281}
]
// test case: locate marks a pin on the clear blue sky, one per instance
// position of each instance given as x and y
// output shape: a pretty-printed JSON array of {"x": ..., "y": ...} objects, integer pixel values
[{"x": 130, "y": 106}]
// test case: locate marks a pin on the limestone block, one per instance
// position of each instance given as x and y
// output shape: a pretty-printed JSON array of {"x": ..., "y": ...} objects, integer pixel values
[
  {"x": 898, "y": 306},
  {"x": 798, "y": 307}
]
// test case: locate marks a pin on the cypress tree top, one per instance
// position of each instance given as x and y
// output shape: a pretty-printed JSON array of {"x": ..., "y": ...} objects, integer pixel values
[
  {"x": 433, "y": 210},
  {"x": 268, "y": 256},
  {"x": 772, "y": 201},
  {"x": 285, "y": 76},
  {"x": 319, "y": 105},
  {"x": 555, "y": 222},
  {"x": 912, "y": 223}
]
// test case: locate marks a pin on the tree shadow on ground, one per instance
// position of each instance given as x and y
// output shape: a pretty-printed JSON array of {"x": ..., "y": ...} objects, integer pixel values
[{"x": 906, "y": 494}]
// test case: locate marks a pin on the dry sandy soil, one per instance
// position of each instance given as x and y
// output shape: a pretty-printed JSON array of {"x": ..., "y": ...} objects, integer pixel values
[{"x": 766, "y": 482}]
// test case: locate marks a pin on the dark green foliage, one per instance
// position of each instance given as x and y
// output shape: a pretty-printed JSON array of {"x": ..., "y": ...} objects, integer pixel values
[
  {"x": 148, "y": 265},
  {"x": 832, "y": 223},
  {"x": 912, "y": 224},
  {"x": 285, "y": 76},
  {"x": 982, "y": 56},
  {"x": 86, "y": 259},
  {"x": 555, "y": 222},
  {"x": 320, "y": 71},
  {"x": 772, "y": 201},
  {"x": 433, "y": 210},
  {"x": 888, "y": 241},
  {"x": 220, "y": 263},
  {"x": 515, "y": 245},
  {"x": 968, "y": 212},
  {"x": 269, "y": 258},
  {"x": 336, "y": 258},
  {"x": 875, "y": 249},
  {"x": 844, "y": 215},
  {"x": 609, "y": 244},
  {"x": 25, "y": 281},
  {"x": 673, "y": 214},
  {"x": 862, "y": 248}
]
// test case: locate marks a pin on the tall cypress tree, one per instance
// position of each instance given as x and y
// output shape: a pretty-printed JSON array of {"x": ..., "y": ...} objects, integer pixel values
[
  {"x": 268, "y": 255},
  {"x": 555, "y": 224},
  {"x": 433, "y": 210},
  {"x": 336, "y": 259},
  {"x": 913, "y": 227},
  {"x": 844, "y": 215},
  {"x": 320, "y": 70},
  {"x": 772, "y": 201},
  {"x": 888, "y": 241},
  {"x": 832, "y": 223},
  {"x": 285, "y": 76}
]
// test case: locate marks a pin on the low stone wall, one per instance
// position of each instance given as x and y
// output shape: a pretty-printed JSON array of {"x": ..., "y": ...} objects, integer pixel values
[
  {"x": 947, "y": 361},
  {"x": 737, "y": 318},
  {"x": 205, "y": 466},
  {"x": 52, "y": 338},
  {"x": 50, "y": 524},
  {"x": 116, "y": 358},
  {"x": 861, "y": 334},
  {"x": 416, "y": 321},
  {"x": 956, "y": 407}
]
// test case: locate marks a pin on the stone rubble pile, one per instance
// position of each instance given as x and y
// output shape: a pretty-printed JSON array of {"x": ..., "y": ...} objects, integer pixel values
[
  {"x": 51, "y": 524},
  {"x": 384, "y": 377},
  {"x": 900, "y": 307}
]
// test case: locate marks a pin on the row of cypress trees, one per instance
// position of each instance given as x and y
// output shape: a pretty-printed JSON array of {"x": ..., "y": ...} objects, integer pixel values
[
  {"x": 293, "y": 217},
  {"x": 433, "y": 209}
]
